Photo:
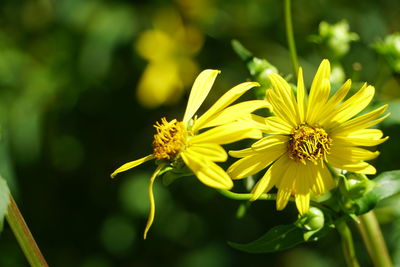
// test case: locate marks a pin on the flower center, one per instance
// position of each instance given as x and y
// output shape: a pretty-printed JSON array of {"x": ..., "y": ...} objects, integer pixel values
[
  {"x": 309, "y": 143},
  {"x": 169, "y": 139}
]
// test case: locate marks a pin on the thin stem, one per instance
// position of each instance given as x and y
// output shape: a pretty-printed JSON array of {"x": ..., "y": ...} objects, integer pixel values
[
  {"x": 290, "y": 37},
  {"x": 24, "y": 236},
  {"x": 347, "y": 243},
  {"x": 373, "y": 240}
]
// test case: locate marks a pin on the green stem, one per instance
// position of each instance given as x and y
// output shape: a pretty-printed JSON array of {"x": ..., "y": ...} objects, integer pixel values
[
  {"x": 373, "y": 240},
  {"x": 24, "y": 236},
  {"x": 347, "y": 243},
  {"x": 290, "y": 37}
]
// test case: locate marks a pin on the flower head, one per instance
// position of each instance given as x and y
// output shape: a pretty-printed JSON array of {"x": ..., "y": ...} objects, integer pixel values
[
  {"x": 306, "y": 134},
  {"x": 196, "y": 141}
]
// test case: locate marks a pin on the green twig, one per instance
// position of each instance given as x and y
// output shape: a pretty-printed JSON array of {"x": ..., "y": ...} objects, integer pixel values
[
  {"x": 290, "y": 37},
  {"x": 373, "y": 240},
  {"x": 24, "y": 236},
  {"x": 347, "y": 243}
]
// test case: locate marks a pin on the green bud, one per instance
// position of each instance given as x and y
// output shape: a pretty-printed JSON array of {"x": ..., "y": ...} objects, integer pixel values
[
  {"x": 259, "y": 69},
  {"x": 335, "y": 38},
  {"x": 358, "y": 185},
  {"x": 390, "y": 50},
  {"x": 311, "y": 221}
]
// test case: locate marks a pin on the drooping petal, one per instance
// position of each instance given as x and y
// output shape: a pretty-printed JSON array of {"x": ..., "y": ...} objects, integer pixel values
[
  {"x": 227, "y": 133},
  {"x": 131, "y": 165},
  {"x": 152, "y": 211},
  {"x": 224, "y": 101},
  {"x": 201, "y": 87},
  {"x": 212, "y": 152},
  {"x": 207, "y": 171},
  {"x": 234, "y": 112}
]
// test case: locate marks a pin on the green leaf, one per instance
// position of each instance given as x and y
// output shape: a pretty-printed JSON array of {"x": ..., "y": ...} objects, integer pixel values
[
  {"x": 4, "y": 200},
  {"x": 387, "y": 184},
  {"x": 278, "y": 238}
]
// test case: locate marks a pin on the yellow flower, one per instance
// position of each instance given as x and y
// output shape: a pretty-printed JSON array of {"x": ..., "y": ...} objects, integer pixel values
[
  {"x": 169, "y": 49},
  {"x": 308, "y": 133},
  {"x": 177, "y": 142}
]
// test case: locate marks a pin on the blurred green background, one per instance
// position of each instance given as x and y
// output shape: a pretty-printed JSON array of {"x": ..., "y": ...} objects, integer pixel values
[{"x": 81, "y": 84}]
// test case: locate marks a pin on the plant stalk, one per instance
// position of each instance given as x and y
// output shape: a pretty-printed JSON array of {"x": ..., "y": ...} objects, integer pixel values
[
  {"x": 373, "y": 240},
  {"x": 290, "y": 37},
  {"x": 24, "y": 236},
  {"x": 347, "y": 243}
]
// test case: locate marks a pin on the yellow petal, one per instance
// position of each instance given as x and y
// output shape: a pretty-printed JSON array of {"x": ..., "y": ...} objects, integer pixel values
[
  {"x": 364, "y": 137},
  {"x": 342, "y": 162},
  {"x": 302, "y": 203},
  {"x": 319, "y": 92},
  {"x": 361, "y": 122},
  {"x": 270, "y": 143},
  {"x": 301, "y": 95},
  {"x": 257, "y": 122},
  {"x": 282, "y": 198},
  {"x": 234, "y": 112},
  {"x": 314, "y": 109},
  {"x": 254, "y": 163},
  {"x": 280, "y": 109},
  {"x": 224, "y": 101},
  {"x": 241, "y": 153},
  {"x": 275, "y": 125},
  {"x": 207, "y": 171},
  {"x": 209, "y": 151},
  {"x": 332, "y": 104},
  {"x": 131, "y": 165},
  {"x": 201, "y": 87},
  {"x": 152, "y": 211},
  {"x": 285, "y": 94},
  {"x": 352, "y": 106},
  {"x": 274, "y": 174},
  {"x": 227, "y": 133},
  {"x": 353, "y": 153}
]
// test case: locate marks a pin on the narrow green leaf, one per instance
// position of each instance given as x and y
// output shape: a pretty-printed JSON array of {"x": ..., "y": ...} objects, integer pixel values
[
  {"x": 4, "y": 200},
  {"x": 278, "y": 238}
]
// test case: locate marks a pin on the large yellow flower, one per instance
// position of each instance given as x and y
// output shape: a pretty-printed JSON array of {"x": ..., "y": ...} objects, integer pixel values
[
  {"x": 178, "y": 142},
  {"x": 308, "y": 133}
]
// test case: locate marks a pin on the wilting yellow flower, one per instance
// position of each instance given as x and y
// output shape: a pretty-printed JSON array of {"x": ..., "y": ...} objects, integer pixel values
[
  {"x": 177, "y": 142},
  {"x": 306, "y": 135},
  {"x": 169, "y": 49}
]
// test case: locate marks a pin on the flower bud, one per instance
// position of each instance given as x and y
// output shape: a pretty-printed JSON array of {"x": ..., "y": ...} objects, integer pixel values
[
  {"x": 312, "y": 220},
  {"x": 390, "y": 50}
]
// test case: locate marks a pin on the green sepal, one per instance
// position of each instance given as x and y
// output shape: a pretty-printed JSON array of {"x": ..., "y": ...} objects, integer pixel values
[
  {"x": 387, "y": 185},
  {"x": 172, "y": 173},
  {"x": 4, "y": 200}
]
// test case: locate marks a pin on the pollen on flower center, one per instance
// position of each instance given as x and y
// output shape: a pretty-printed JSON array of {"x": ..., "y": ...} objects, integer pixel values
[
  {"x": 309, "y": 143},
  {"x": 169, "y": 139}
]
